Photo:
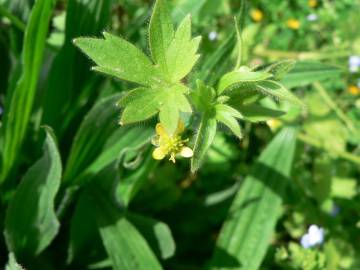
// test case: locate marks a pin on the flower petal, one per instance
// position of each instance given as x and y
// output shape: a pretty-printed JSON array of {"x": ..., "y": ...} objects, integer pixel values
[
  {"x": 160, "y": 130},
  {"x": 158, "y": 154},
  {"x": 186, "y": 152}
]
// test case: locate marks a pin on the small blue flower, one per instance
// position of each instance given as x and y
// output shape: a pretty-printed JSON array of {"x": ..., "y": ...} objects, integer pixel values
[
  {"x": 312, "y": 17},
  {"x": 335, "y": 210},
  {"x": 313, "y": 237},
  {"x": 213, "y": 35},
  {"x": 354, "y": 63}
]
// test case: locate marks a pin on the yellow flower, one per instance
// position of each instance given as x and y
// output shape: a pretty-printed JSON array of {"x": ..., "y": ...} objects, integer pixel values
[
  {"x": 354, "y": 90},
  {"x": 293, "y": 24},
  {"x": 170, "y": 145},
  {"x": 274, "y": 124},
  {"x": 312, "y": 3},
  {"x": 256, "y": 15}
]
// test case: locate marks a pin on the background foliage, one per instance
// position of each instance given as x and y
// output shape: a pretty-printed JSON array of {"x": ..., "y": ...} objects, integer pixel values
[{"x": 78, "y": 191}]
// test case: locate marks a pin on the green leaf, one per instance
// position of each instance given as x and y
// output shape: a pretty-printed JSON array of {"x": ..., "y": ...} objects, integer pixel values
[
  {"x": 228, "y": 110},
  {"x": 169, "y": 116},
  {"x": 256, "y": 113},
  {"x": 254, "y": 212},
  {"x": 65, "y": 92},
  {"x": 141, "y": 104},
  {"x": 31, "y": 223},
  {"x": 12, "y": 264},
  {"x": 204, "y": 139},
  {"x": 234, "y": 79},
  {"x": 82, "y": 238},
  {"x": 20, "y": 100},
  {"x": 239, "y": 40},
  {"x": 161, "y": 33},
  {"x": 125, "y": 246},
  {"x": 214, "y": 63},
  {"x": 203, "y": 96},
  {"x": 278, "y": 91},
  {"x": 280, "y": 69},
  {"x": 156, "y": 233},
  {"x": 181, "y": 55},
  {"x": 131, "y": 183},
  {"x": 187, "y": 7},
  {"x": 307, "y": 72},
  {"x": 94, "y": 131},
  {"x": 229, "y": 121},
  {"x": 120, "y": 142},
  {"x": 119, "y": 58}
]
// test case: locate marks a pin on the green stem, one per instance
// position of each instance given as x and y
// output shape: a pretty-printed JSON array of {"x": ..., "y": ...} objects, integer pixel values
[
  {"x": 347, "y": 121},
  {"x": 316, "y": 143},
  {"x": 14, "y": 20}
]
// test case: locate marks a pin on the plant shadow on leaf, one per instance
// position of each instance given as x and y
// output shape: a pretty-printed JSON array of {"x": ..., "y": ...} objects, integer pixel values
[
  {"x": 262, "y": 169},
  {"x": 225, "y": 259}
]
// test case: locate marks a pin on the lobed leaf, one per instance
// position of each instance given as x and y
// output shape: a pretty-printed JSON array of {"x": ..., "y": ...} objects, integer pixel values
[
  {"x": 161, "y": 33},
  {"x": 117, "y": 57},
  {"x": 141, "y": 104},
  {"x": 12, "y": 264},
  {"x": 181, "y": 55}
]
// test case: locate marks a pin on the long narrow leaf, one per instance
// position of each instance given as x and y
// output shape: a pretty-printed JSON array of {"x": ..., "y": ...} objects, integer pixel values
[
  {"x": 247, "y": 231},
  {"x": 20, "y": 100}
]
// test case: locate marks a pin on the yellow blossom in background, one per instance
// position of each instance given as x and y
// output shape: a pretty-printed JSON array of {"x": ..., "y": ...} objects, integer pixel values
[
  {"x": 274, "y": 124},
  {"x": 354, "y": 90},
  {"x": 170, "y": 145},
  {"x": 312, "y": 3},
  {"x": 293, "y": 24},
  {"x": 256, "y": 15}
]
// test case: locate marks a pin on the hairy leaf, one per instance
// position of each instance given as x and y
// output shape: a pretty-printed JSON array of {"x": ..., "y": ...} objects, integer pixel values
[
  {"x": 229, "y": 121},
  {"x": 232, "y": 79},
  {"x": 280, "y": 69},
  {"x": 181, "y": 55},
  {"x": 204, "y": 139},
  {"x": 257, "y": 113},
  {"x": 161, "y": 33},
  {"x": 278, "y": 91},
  {"x": 117, "y": 57}
]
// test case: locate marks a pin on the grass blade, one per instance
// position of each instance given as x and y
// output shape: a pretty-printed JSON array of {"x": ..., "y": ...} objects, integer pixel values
[{"x": 20, "y": 100}]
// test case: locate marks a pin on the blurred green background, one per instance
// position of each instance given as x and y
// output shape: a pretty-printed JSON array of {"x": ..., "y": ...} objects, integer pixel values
[{"x": 69, "y": 210}]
